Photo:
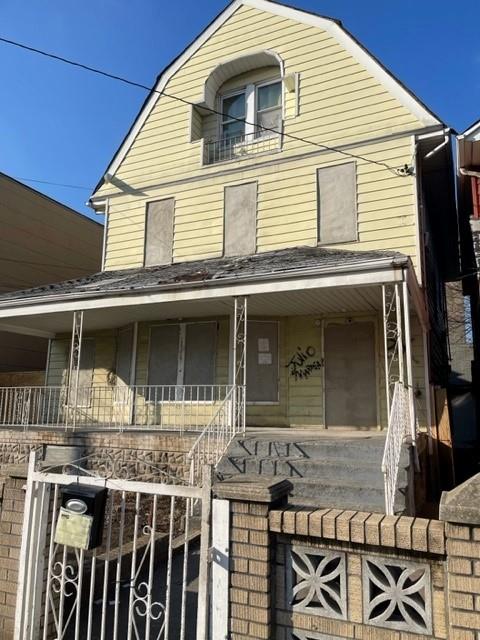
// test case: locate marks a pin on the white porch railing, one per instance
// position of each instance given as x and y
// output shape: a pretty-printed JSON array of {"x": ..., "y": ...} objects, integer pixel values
[
  {"x": 240, "y": 146},
  {"x": 398, "y": 431},
  {"x": 168, "y": 407},
  {"x": 211, "y": 444}
]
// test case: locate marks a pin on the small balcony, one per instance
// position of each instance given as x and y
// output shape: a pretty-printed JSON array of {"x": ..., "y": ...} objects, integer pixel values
[
  {"x": 169, "y": 407},
  {"x": 240, "y": 147}
]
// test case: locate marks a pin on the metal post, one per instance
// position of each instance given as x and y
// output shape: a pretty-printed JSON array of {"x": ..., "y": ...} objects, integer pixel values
[
  {"x": 74, "y": 367},
  {"x": 408, "y": 353},
  {"x": 398, "y": 314},
  {"x": 385, "y": 347},
  {"x": 203, "y": 577},
  {"x": 133, "y": 373}
]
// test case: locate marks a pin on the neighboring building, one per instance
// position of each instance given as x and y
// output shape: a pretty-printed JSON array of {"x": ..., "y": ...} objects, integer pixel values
[
  {"x": 277, "y": 243},
  {"x": 41, "y": 241},
  {"x": 464, "y": 320}
]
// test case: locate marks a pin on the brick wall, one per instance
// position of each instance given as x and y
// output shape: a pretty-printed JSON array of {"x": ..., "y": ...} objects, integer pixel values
[
  {"x": 331, "y": 564},
  {"x": 463, "y": 546},
  {"x": 304, "y": 574},
  {"x": 12, "y": 503}
]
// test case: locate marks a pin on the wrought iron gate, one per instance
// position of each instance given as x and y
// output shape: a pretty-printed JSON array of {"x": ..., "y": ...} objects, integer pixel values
[{"x": 144, "y": 580}]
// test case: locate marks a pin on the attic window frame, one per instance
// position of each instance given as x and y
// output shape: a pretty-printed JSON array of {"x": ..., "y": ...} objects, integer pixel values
[{"x": 251, "y": 108}]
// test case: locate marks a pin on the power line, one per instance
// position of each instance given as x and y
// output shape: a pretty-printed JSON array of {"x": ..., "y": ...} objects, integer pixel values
[
  {"x": 54, "y": 184},
  {"x": 45, "y": 264},
  {"x": 404, "y": 171}
]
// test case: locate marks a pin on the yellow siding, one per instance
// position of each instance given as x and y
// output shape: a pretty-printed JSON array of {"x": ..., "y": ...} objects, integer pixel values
[
  {"x": 340, "y": 102},
  {"x": 287, "y": 209},
  {"x": 300, "y": 401}
]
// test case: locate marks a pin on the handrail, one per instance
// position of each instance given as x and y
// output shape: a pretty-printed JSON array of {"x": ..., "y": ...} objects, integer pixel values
[
  {"x": 212, "y": 443},
  {"x": 397, "y": 433}
]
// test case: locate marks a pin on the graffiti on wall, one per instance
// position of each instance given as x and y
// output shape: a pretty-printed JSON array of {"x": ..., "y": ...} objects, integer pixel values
[{"x": 302, "y": 363}]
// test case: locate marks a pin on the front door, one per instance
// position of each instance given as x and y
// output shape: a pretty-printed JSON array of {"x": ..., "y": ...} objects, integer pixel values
[{"x": 350, "y": 380}]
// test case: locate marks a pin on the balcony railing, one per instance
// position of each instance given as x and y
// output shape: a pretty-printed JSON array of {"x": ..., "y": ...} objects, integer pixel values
[
  {"x": 168, "y": 407},
  {"x": 239, "y": 147}
]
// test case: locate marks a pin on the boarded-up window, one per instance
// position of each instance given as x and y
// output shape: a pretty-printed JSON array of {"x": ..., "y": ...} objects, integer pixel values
[
  {"x": 240, "y": 219},
  {"x": 159, "y": 232},
  {"x": 262, "y": 361},
  {"x": 124, "y": 356},
  {"x": 337, "y": 204},
  {"x": 183, "y": 354},
  {"x": 199, "y": 367},
  {"x": 163, "y": 357}
]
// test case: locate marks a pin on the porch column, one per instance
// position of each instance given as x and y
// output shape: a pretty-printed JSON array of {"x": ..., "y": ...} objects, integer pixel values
[
  {"x": 74, "y": 364},
  {"x": 239, "y": 358},
  {"x": 408, "y": 355}
]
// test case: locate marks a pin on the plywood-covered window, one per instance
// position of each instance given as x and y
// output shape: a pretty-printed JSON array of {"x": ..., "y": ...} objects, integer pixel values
[
  {"x": 124, "y": 356},
  {"x": 337, "y": 203},
  {"x": 184, "y": 354},
  {"x": 159, "y": 232},
  {"x": 240, "y": 219}
]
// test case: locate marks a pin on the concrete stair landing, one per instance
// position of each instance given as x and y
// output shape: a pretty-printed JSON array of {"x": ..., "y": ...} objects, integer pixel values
[{"x": 334, "y": 469}]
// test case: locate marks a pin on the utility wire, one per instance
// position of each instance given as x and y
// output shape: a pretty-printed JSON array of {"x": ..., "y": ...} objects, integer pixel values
[
  {"x": 404, "y": 171},
  {"x": 54, "y": 184}
]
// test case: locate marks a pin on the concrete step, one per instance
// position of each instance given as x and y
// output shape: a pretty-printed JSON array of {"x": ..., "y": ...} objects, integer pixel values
[
  {"x": 324, "y": 469},
  {"x": 344, "y": 496},
  {"x": 369, "y": 449}
]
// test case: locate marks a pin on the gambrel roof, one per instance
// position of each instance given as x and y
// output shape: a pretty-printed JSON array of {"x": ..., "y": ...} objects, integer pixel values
[{"x": 329, "y": 25}]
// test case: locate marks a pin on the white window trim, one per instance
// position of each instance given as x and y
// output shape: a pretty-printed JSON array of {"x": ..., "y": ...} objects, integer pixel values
[{"x": 269, "y": 134}]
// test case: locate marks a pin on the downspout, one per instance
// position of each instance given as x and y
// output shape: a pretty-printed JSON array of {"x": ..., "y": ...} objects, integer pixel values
[{"x": 105, "y": 232}]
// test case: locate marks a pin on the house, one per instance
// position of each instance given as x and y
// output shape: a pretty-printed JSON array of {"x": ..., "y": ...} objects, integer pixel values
[
  {"x": 42, "y": 241},
  {"x": 280, "y": 224}
]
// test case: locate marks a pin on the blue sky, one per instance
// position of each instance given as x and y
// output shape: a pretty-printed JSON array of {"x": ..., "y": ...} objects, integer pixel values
[{"x": 63, "y": 125}]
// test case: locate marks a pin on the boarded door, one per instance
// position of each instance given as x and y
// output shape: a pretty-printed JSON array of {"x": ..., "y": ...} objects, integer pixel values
[
  {"x": 350, "y": 381},
  {"x": 262, "y": 361}
]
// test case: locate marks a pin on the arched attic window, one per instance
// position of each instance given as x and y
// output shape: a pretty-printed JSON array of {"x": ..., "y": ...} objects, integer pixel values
[{"x": 251, "y": 87}]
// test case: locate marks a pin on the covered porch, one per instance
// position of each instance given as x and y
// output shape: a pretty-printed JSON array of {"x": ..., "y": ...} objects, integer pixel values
[{"x": 300, "y": 345}]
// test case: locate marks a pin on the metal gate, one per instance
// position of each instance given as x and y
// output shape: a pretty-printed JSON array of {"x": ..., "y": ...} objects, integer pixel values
[{"x": 143, "y": 581}]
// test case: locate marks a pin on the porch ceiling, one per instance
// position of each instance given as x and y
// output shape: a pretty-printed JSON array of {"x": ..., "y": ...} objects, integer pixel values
[{"x": 319, "y": 301}]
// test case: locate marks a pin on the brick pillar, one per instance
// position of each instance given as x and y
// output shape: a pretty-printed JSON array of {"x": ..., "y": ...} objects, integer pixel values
[
  {"x": 251, "y": 581},
  {"x": 460, "y": 509},
  {"x": 12, "y": 504}
]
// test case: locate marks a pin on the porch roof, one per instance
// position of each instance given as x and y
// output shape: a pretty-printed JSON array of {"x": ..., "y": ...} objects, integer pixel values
[
  {"x": 301, "y": 281},
  {"x": 282, "y": 263}
]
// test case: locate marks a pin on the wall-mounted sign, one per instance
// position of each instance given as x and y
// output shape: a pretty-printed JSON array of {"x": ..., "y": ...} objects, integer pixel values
[{"x": 73, "y": 529}]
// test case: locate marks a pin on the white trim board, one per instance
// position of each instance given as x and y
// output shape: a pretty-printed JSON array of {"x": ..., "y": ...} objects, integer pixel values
[{"x": 407, "y": 99}]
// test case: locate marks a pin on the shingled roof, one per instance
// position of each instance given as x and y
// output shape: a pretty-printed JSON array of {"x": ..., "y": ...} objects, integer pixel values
[{"x": 282, "y": 263}]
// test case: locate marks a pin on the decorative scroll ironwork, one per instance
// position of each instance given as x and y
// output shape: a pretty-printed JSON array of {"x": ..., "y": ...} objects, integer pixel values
[
  {"x": 106, "y": 465},
  {"x": 74, "y": 364},
  {"x": 240, "y": 341},
  {"x": 396, "y": 595},
  {"x": 316, "y": 581},
  {"x": 393, "y": 338}
]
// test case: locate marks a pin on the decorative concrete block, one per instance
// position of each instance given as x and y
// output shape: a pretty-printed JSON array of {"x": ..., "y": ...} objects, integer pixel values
[
  {"x": 316, "y": 581},
  {"x": 397, "y": 594}
]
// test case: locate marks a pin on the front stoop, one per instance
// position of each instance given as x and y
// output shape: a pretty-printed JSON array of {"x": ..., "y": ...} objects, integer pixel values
[{"x": 325, "y": 471}]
